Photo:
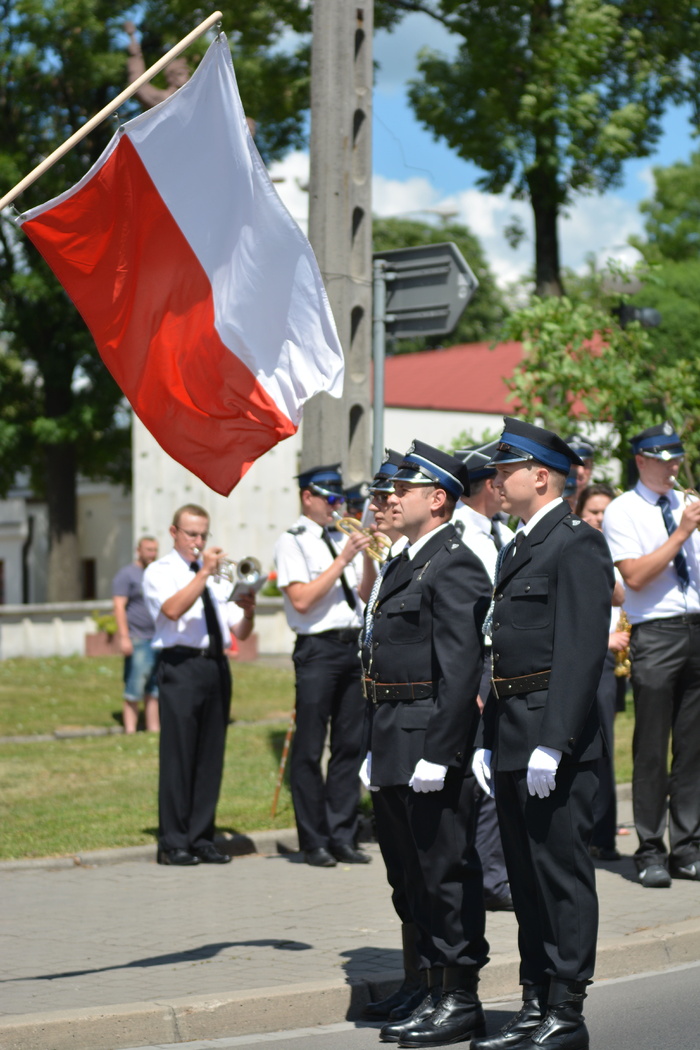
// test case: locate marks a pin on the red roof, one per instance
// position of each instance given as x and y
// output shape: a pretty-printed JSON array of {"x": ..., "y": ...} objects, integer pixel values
[{"x": 465, "y": 378}]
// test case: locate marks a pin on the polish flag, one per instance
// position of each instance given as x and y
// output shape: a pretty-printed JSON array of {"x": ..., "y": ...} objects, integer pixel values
[{"x": 201, "y": 292}]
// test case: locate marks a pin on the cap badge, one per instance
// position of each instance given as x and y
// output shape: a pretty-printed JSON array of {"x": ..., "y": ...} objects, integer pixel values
[
  {"x": 667, "y": 428},
  {"x": 411, "y": 449}
]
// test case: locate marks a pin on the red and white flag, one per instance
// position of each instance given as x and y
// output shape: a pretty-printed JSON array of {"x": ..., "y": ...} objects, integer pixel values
[{"x": 201, "y": 292}]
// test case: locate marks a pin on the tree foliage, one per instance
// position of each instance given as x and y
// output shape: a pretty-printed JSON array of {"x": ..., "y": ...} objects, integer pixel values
[
  {"x": 580, "y": 368},
  {"x": 60, "y": 62},
  {"x": 485, "y": 312},
  {"x": 549, "y": 99}
]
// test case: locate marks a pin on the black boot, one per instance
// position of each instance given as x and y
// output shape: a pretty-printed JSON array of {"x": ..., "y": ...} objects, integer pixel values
[
  {"x": 401, "y": 1003},
  {"x": 457, "y": 1017},
  {"x": 391, "y": 1032},
  {"x": 563, "y": 1027},
  {"x": 524, "y": 1024}
]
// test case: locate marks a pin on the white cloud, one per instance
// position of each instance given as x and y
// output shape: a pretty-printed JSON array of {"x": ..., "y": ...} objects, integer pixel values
[{"x": 593, "y": 225}]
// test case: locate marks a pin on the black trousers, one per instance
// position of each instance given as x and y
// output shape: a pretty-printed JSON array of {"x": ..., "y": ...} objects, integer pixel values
[
  {"x": 666, "y": 686},
  {"x": 605, "y": 806},
  {"x": 552, "y": 878},
  {"x": 327, "y": 690},
  {"x": 435, "y": 868},
  {"x": 195, "y": 702}
]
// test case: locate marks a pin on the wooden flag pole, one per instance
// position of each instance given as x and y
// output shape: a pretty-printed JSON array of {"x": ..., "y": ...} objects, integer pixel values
[{"x": 110, "y": 108}]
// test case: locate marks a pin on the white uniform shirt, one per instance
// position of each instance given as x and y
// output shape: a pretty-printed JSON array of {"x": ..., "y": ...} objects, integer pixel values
[
  {"x": 634, "y": 526},
  {"x": 477, "y": 535},
  {"x": 166, "y": 577},
  {"x": 301, "y": 555}
]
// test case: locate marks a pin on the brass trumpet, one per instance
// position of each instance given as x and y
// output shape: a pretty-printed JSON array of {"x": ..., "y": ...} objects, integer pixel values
[
  {"x": 379, "y": 543},
  {"x": 246, "y": 572},
  {"x": 690, "y": 495},
  {"x": 623, "y": 664}
]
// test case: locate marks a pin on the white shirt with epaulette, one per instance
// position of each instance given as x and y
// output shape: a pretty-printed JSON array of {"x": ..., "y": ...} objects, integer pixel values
[{"x": 301, "y": 555}]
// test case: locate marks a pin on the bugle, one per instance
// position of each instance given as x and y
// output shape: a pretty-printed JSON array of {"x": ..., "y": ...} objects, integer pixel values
[
  {"x": 379, "y": 543},
  {"x": 623, "y": 664}
]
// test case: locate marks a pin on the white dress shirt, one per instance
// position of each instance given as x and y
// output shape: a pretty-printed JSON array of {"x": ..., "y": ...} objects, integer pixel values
[
  {"x": 301, "y": 555},
  {"x": 164, "y": 578},
  {"x": 477, "y": 535},
  {"x": 634, "y": 526}
]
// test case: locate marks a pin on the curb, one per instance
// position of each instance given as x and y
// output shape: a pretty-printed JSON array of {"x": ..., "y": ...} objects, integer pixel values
[
  {"x": 302, "y": 1005},
  {"x": 264, "y": 842}
]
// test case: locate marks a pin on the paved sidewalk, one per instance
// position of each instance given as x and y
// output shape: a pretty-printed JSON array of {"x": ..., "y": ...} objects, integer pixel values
[{"x": 116, "y": 951}]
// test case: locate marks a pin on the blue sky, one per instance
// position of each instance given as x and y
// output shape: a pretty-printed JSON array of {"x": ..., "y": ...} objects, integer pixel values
[{"x": 415, "y": 175}]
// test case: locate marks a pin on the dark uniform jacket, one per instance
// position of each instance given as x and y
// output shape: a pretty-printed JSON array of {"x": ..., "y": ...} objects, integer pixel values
[
  {"x": 427, "y": 628},
  {"x": 552, "y": 605}
]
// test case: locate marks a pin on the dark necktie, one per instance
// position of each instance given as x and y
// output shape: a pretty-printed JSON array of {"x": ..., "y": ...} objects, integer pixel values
[
  {"x": 216, "y": 645},
  {"x": 495, "y": 535},
  {"x": 347, "y": 589},
  {"x": 679, "y": 562}
]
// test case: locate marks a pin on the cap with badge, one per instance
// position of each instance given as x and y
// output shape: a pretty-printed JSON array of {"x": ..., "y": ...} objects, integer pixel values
[
  {"x": 581, "y": 446},
  {"x": 356, "y": 497},
  {"x": 521, "y": 442},
  {"x": 383, "y": 480},
  {"x": 477, "y": 460},
  {"x": 659, "y": 442},
  {"x": 323, "y": 481},
  {"x": 425, "y": 465}
]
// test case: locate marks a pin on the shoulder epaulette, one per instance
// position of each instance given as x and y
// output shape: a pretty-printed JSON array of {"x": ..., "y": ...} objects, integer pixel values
[{"x": 296, "y": 530}]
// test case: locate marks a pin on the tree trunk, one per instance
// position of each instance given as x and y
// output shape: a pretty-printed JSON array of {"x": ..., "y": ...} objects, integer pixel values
[
  {"x": 61, "y": 493},
  {"x": 544, "y": 197}
]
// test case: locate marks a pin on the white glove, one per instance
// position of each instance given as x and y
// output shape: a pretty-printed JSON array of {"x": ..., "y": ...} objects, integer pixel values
[
  {"x": 366, "y": 772},
  {"x": 542, "y": 771},
  {"x": 427, "y": 776},
  {"x": 481, "y": 768}
]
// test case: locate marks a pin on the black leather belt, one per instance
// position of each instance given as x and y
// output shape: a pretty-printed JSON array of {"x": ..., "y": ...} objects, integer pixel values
[
  {"x": 349, "y": 635},
  {"x": 684, "y": 620},
  {"x": 187, "y": 650},
  {"x": 524, "y": 683},
  {"x": 381, "y": 692}
]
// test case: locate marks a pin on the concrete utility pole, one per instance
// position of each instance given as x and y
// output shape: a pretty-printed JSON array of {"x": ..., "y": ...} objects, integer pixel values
[{"x": 340, "y": 224}]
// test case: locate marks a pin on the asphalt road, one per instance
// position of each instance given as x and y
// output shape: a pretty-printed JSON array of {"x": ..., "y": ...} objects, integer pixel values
[{"x": 658, "y": 1011}]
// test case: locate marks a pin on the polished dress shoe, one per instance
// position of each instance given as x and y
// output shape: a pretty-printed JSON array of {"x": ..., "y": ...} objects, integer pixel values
[
  {"x": 319, "y": 858},
  {"x": 686, "y": 871},
  {"x": 527, "y": 1020},
  {"x": 493, "y": 903},
  {"x": 181, "y": 858},
  {"x": 457, "y": 1017},
  {"x": 655, "y": 876},
  {"x": 209, "y": 854},
  {"x": 392, "y": 1032},
  {"x": 563, "y": 1027},
  {"x": 349, "y": 855}
]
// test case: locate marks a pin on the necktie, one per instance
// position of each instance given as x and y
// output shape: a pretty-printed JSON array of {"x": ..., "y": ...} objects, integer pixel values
[
  {"x": 347, "y": 589},
  {"x": 495, "y": 536},
  {"x": 369, "y": 611},
  {"x": 216, "y": 644},
  {"x": 679, "y": 562}
]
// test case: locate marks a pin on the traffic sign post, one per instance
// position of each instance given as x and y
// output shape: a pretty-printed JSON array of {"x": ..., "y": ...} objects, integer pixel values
[{"x": 418, "y": 291}]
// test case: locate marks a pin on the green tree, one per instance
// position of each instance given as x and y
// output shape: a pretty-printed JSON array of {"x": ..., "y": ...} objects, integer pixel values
[
  {"x": 581, "y": 368},
  {"x": 549, "y": 99},
  {"x": 486, "y": 311},
  {"x": 61, "y": 62}
]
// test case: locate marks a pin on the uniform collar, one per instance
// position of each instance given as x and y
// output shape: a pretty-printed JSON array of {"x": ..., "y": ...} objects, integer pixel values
[
  {"x": 415, "y": 548},
  {"x": 311, "y": 526},
  {"x": 527, "y": 529},
  {"x": 653, "y": 497}
]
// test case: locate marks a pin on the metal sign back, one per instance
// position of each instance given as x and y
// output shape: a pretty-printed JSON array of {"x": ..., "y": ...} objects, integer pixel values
[{"x": 427, "y": 290}]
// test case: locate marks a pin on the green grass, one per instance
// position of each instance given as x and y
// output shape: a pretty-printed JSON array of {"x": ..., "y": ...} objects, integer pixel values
[
  {"x": 67, "y": 796},
  {"x": 39, "y": 696}
]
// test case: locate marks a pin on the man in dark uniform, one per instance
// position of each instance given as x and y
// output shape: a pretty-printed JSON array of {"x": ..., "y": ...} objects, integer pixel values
[
  {"x": 541, "y": 738},
  {"x": 422, "y": 662}
]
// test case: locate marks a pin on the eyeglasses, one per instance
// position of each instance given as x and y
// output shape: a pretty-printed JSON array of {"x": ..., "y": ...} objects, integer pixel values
[
  {"x": 331, "y": 498},
  {"x": 193, "y": 535}
]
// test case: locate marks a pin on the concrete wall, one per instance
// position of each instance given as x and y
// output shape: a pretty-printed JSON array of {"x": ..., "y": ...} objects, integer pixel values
[{"x": 60, "y": 629}]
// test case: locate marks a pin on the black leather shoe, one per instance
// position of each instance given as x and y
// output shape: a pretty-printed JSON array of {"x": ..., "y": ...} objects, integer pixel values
[
  {"x": 209, "y": 854},
  {"x": 655, "y": 876},
  {"x": 319, "y": 858},
  {"x": 686, "y": 871},
  {"x": 492, "y": 903},
  {"x": 562, "y": 1029},
  {"x": 350, "y": 855},
  {"x": 181, "y": 858},
  {"x": 520, "y": 1027},
  {"x": 392, "y": 1032},
  {"x": 457, "y": 1017}
]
